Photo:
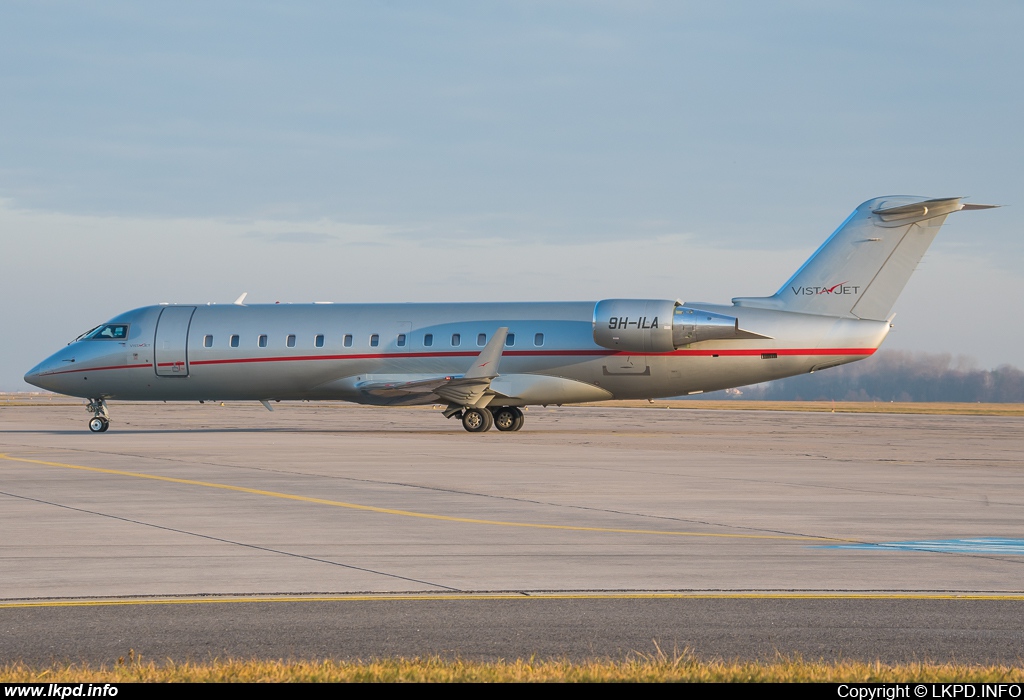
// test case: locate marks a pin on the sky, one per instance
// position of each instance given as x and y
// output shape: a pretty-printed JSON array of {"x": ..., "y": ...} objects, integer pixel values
[{"x": 487, "y": 151}]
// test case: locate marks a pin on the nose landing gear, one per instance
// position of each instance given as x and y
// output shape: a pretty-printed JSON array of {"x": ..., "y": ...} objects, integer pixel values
[{"x": 101, "y": 418}]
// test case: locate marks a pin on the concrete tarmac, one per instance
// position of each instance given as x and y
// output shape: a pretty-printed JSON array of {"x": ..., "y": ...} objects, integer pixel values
[{"x": 896, "y": 537}]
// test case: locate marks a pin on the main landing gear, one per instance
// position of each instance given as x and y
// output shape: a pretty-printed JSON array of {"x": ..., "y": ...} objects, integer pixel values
[
  {"x": 508, "y": 419},
  {"x": 504, "y": 418},
  {"x": 101, "y": 418}
]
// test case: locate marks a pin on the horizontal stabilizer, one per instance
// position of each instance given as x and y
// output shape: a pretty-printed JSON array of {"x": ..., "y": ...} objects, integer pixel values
[
  {"x": 919, "y": 210},
  {"x": 929, "y": 208}
]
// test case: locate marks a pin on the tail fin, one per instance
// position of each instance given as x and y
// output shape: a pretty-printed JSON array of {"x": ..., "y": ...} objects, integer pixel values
[{"x": 862, "y": 267}]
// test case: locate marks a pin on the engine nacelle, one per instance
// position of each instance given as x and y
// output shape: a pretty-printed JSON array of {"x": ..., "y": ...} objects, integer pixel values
[
  {"x": 657, "y": 325},
  {"x": 634, "y": 325}
]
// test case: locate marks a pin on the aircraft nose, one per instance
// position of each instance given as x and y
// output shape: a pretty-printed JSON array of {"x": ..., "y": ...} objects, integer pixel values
[
  {"x": 47, "y": 374},
  {"x": 37, "y": 376}
]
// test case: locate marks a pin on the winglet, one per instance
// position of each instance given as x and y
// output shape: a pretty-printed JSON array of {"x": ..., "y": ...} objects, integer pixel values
[
  {"x": 486, "y": 364},
  {"x": 240, "y": 300}
]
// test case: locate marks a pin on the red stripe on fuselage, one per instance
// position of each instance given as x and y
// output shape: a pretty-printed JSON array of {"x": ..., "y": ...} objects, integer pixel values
[
  {"x": 546, "y": 353},
  {"x": 792, "y": 352},
  {"x": 93, "y": 369}
]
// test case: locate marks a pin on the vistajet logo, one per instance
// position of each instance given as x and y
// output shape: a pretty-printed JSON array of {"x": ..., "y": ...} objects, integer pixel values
[{"x": 843, "y": 288}]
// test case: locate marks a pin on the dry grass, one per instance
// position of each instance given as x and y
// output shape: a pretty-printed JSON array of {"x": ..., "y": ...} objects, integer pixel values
[
  {"x": 38, "y": 399},
  {"x": 683, "y": 667},
  {"x": 947, "y": 409}
]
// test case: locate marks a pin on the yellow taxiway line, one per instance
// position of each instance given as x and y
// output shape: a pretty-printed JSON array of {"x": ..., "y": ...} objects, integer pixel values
[
  {"x": 414, "y": 514},
  {"x": 456, "y": 597}
]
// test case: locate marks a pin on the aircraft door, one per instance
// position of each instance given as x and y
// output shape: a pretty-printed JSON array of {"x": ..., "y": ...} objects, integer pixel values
[{"x": 171, "y": 346}]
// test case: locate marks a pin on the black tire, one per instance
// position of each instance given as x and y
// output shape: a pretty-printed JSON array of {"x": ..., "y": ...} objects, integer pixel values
[
  {"x": 477, "y": 420},
  {"x": 508, "y": 418},
  {"x": 98, "y": 424},
  {"x": 520, "y": 419}
]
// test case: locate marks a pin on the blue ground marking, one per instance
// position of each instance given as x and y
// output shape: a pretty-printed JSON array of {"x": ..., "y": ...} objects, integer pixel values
[{"x": 978, "y": 545}]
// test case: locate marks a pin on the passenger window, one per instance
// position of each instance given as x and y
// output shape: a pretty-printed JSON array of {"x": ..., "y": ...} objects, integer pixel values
[
  {"x": 207, "y": 341},
  {"x": 481, "y": 339},
  {"x": 263, "y": 341},
  {"x": 234, "y": 341},
  {"x": 401, "y": 340},
  {"x": 538, "y": 339},
  {"x": 374, "y": 340},
  {"x": 510, "y": 340},
  {"x": 428, "y": 340},
  {"x": 290, "y": 342},
  {"x": 348, "y": 340},
  {"x": 319, "y": 341}
]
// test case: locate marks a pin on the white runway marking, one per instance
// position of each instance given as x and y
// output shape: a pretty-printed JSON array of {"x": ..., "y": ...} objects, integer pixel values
[{"x": 976, "y": 545}]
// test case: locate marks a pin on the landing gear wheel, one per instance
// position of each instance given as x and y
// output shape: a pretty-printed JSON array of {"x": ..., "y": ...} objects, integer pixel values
[
  {"x": 508, "y": 418},
  {"x": 477, "y": 420},
  {"x": 100, "y": 420}
]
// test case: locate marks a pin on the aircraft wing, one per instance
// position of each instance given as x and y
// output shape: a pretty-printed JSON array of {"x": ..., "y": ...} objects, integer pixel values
[
  {"x": 455, "y": 388},
  {"x": 478, "y": 386},
  {"x": 462, "y": 389},
  {"x": 401, "y": 385}
]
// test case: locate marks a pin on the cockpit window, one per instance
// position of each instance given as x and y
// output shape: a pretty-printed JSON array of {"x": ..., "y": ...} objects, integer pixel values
[
  {"x": 111, "y": 331},
  {"x": 85, "y": 335}
]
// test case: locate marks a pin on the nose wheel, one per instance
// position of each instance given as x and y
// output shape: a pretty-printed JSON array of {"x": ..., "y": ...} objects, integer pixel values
[{"x": 100, "y": 420}]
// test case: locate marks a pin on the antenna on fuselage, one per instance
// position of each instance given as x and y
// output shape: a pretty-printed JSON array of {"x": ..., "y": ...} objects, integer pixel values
[{"x": 239, "y": 300}]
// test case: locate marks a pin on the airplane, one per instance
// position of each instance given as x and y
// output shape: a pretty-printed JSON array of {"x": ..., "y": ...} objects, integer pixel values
[{"x": 486, "y": 361}]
